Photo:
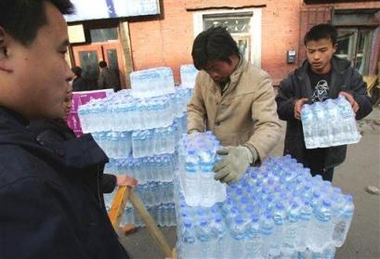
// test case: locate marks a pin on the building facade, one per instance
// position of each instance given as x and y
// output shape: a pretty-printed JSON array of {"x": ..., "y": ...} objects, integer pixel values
[{"x": 269, "y": 33}]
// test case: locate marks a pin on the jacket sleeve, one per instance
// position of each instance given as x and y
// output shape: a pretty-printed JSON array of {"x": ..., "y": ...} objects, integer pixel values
[
  {"x": 285, "y": 99},
  {"x": 108, "y": 183},
  {"x": 34, "y": 222},
  {"x": 196, "y": 110},
  {"x": 358, "y": 88},
  {"x": 267, "y": 131},
  {"x": 83, "y": 152}
]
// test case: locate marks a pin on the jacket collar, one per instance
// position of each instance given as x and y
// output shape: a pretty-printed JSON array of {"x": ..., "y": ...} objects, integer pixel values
[
  {"x": 235, "y": 76},
  {"x": 13, "y": 117},
  {"x": 338, "y": 65}
]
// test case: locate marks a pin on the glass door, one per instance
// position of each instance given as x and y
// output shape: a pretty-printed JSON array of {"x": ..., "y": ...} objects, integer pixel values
[
  {"x": 88, "y": 57},
  {"x": 112, "y": 53}
]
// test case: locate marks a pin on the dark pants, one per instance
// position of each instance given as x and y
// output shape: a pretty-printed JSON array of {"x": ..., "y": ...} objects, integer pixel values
[
  {"x": 315, "y": 161},
  {"x": 327, "y": 174}
]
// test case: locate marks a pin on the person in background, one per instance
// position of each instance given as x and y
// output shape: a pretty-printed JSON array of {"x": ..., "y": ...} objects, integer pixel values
[
  {"x": 53, "y": 132},
  {"x": 235, "y": 100},
  {"x": 107, "y": 77},
  {"x": 79, "y": 82},
  {"x": 323, "y": 75},
  {"x": 47, "y": 211}
]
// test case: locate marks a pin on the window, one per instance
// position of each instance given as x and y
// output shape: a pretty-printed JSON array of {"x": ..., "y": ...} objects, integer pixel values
[
  {"x": 238, "y": 25},
  {"x": 103, "y": 35},
  {"x": 355, "y": 45},
  {"x": 241, "y": 24},
  {"x": 358, "y": 37}
]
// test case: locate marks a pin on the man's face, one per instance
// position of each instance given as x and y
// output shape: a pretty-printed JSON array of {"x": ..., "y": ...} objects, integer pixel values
[
  {"x": 40, "y": 70},
  {"x": 219, "y": 71},
  {"x": 67, "y": 103},
  {"x": 319, "y": 54}
]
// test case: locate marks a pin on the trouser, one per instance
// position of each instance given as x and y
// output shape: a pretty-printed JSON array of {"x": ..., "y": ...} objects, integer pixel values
[
  {"x": 327, "y": 174},
  {"x": 315, "y": 160}
]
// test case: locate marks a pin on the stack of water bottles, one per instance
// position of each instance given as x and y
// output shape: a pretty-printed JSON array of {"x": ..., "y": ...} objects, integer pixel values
[
  {"x": 197, "y": 155},
  {"x": 329, "y": 123},
  {"x": 275, "y": 211},
  {"x": 139, "y": 129},
  {"x": 152, "y": 82}
]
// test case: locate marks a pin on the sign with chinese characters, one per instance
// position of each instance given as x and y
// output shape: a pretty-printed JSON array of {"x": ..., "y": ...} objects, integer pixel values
[{"x": 106, "y": 9}]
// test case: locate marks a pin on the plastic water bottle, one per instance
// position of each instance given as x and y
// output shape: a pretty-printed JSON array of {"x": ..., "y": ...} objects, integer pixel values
[
  {"x": 305, "y": 215},
  {"x": 343, "y": 221},
  {"x": 279, "y": 217},
  {"x": 308, "y": 124},
  {"x": 334, "y": 125},
  {"x": 267, "y": 226},
  {"x": 238, "y": 230},
  {"x": 254, "y": 239},
  {"x": 205, "y": 238},
  {"x": 290, "y": 233},
  {"x": 349, "y": 129},
  {"x": 208, "y": 184},
  {"x": 191, "y": 179},
  {"x": 321, "y": 232},
  {"x": 187, "y": 240},
  {"x": 322, "y": 135}
]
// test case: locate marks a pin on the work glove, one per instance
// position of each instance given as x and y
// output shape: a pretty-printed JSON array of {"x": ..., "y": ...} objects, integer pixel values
[
  {"x": 192, "y": 131},
  {"x": 234, "y": 163}
]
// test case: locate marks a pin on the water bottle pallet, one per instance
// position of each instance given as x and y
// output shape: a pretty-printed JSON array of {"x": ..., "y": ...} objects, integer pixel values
[
  {"x": 140, "y": 143},
  {"x": 158, "y": 168},
  {"x": 122, "y": 112},
  {"x": 164, "y": 215},
  {"x": 278, "y": 210},
  {"x": 329, "y": 123},
  {"x": 155, "y": 193}
]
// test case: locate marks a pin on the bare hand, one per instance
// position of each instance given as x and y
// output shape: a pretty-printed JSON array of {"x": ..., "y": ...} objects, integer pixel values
[
  {"x": 351, "y": 100},
  {"x": 125, "y": 180},
  {"x": 298, "y": 106}
]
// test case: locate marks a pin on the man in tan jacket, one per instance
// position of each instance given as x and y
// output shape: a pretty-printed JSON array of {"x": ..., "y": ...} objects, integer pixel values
[{"x": 235, "y": 100}]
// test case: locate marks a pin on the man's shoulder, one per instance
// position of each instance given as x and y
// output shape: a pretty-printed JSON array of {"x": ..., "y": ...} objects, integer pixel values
[{"x": 16, "y": 163}]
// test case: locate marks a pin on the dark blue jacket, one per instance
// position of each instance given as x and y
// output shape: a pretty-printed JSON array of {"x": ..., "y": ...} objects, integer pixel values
[
  {"x": 46, "y": 209},
  {"x": 297, "y": 85},
  {"x": 52, "y": 133}
]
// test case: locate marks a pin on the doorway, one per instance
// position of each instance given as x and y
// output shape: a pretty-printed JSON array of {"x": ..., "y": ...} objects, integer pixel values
[{"x": 88, "y": 57}]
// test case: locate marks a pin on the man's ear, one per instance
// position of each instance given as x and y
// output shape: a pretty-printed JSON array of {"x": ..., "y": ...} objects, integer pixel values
[
  {"x": 335, "y": 47},
  {"x": 4, "y": 61}
]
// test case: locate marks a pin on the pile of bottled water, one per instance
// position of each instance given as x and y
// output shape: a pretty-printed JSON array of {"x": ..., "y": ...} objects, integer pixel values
[
  {"x": 329, "y": 123},
  {"x": 197, "y": 155},
  {"x": 152, "y": 82},
  {"x": 275, "y": 211},
  {"x": 139, "y": 129},
  {"x": 121, "y": 111}
]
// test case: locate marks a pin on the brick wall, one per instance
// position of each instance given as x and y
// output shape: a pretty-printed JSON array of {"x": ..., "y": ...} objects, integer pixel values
[{"x": 167, "y": 40}]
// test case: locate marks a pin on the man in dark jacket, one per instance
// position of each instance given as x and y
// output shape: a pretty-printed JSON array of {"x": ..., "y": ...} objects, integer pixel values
[
  {"x": 320, "y": 77},
  {"x": 107, "y": 77},
  {"x": 46, "y": 211},
  {"x": 52, "y": 133},
  {"x": 79, "y": 82}
]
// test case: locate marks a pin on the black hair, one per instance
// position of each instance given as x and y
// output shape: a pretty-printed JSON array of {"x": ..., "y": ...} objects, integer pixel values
[
  {"x": 321, "y": 31},
  {"x": 77, "y": 71},
  {"x": 102, "y": 64},
  {"x": 213, "y": 44},
  {"x": 22, "y": 18}
]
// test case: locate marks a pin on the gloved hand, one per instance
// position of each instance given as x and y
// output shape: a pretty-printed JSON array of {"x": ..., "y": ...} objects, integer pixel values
[{"x": 234, "y": 163}]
